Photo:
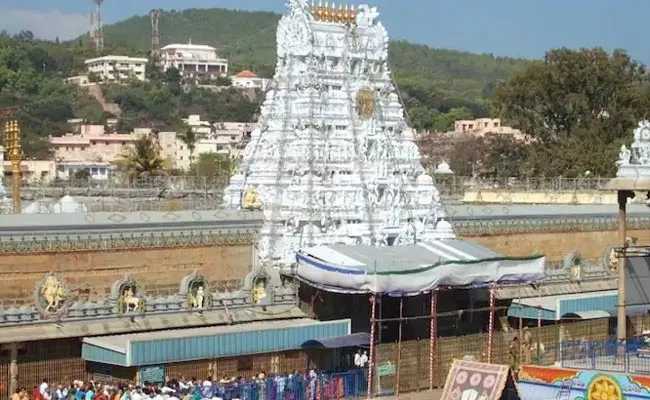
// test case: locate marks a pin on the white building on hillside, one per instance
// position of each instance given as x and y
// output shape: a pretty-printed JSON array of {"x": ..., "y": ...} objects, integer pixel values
[
  {"x": 193, "y": 60},
  {"x": 118, "y": 68},
  {"x": 249, "y": 80}
]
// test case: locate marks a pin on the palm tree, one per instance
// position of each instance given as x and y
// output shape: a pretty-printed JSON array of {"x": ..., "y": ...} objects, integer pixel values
[
  {"x": 143, "y": 159},
  {"x": 189, "y": 138}
]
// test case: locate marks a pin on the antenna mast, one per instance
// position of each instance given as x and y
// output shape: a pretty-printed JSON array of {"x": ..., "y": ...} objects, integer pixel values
[
  {"x": 97, "y": 27},
  {"x": 155, "y": 35}
]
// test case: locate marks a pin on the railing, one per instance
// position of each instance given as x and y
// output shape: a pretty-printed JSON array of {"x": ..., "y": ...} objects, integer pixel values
[
  {"x": 192, "y": 192},
  {"x": 322, "y": 386},
  {"x": 631, "y": 357},
  {"x": 446, "y": 184}
]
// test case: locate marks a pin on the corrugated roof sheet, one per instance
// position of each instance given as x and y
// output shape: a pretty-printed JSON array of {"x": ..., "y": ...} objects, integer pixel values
[
  {"x": 120, "y": 343},
  {"x": 209, "y": 342},
  {"x": 551, "y": 302}
]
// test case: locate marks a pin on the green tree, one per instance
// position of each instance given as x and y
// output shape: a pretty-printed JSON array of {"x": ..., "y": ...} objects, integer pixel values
[
  {"x": 216, "y": 165},
  {"x": 143, "y": 159},
  {"x": 189, "y": 137},
  {"x": 578, "y": 105}
]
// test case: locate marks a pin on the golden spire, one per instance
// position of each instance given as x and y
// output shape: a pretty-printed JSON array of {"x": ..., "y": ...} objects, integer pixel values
[
  {"x": 340, "y": 17},
  {"x": 353, "y": 15},
  {"x": 333, "y": 12},
  {"x": 321, "y": 11},
  {"x": 313, "y": 9},
  {"x": 326, "y": 12}
]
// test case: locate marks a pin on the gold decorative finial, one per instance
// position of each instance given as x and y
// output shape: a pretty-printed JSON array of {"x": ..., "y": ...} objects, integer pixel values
[
  {"x": 320, "y": 12},
  {"x": 353, "y": 15},
  {"x": 326, "y": 12},
  {"x": 340, "y": 17},
  {"x": 313, "y": 8}
]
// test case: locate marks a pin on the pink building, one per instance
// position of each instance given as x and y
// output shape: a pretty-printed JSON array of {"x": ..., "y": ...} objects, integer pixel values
[
  {"x": 91, "y": 144},
  {"x": 482, "y": 126},
  {"x": 91, "y": 149}
]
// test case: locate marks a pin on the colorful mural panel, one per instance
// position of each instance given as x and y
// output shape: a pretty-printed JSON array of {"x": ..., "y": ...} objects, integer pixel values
[
  {"x": 542, "y": 383},
  {"x": 474, "y": 380}
]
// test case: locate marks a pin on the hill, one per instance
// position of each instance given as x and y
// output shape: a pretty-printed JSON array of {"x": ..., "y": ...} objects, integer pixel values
[{"x": 434, "y": 80}]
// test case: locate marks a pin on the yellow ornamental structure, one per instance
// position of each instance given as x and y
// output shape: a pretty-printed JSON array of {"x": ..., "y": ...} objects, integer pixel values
[
  {"x": 341, "y": 14},
  {"x": 14, "y": 153}
]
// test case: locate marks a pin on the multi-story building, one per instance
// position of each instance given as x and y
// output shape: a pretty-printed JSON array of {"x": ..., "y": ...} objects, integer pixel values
[
  {"x": 91, "y": 149},
  {"x": 249, "y": 80},
  {"x": 117, "y": 68},
  {"x": 482, "y": 126},
  {"x": 193, "y": 60},
  {"x": 221, "y": 137}
]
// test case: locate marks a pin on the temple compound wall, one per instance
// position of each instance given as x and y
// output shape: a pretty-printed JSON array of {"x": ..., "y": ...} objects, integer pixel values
[
  {"x": 554, "y": 235},
  {"x": 66, "y": 277}
]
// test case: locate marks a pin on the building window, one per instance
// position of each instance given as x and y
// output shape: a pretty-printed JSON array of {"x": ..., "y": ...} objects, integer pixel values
[{"x": 93, "y": 143}]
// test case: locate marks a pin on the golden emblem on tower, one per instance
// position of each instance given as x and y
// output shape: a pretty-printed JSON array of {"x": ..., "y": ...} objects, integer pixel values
[
  {"x": 366, "y": 103},
  {"x": 341, "y": 14}
]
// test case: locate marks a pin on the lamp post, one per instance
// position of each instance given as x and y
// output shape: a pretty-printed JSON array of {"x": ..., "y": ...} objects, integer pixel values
[{"x": 633, "y": 175}]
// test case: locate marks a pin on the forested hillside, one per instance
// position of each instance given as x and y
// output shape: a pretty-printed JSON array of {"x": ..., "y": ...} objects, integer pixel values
[{"x": 432, "y": 81}]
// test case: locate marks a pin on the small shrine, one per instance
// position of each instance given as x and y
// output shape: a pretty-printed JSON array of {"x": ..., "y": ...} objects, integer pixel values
[{"x": 634, "y": 162}]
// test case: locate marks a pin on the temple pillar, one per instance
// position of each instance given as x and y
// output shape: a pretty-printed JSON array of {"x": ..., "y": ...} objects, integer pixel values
[{"x": 13, "y": 368}]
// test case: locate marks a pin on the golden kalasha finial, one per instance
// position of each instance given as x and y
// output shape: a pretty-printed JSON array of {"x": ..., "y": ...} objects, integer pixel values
[
  {"x": 340, "y": 17},
  {"x": 319, "y": 11},
  {"x": 353, "y": 15},
  {"x": 313, "y": 8},
  {"x": 333, "y": 12},
  {"x": 326, "y": 11}
]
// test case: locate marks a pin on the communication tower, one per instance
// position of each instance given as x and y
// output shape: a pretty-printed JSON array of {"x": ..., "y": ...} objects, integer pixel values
[
  {"x": 155, "y": 35},
  {"x": 97, "y": 28}
]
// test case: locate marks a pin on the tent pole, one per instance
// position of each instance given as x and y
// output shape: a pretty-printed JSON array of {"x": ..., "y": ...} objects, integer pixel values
[
  {"x": 539, "y": 326},
  {"x": 399, "y": 345},
  {"x": 371, "y": 362},
  {"x": 491, "y": 325},
  {"x": 432, "y": 337}
]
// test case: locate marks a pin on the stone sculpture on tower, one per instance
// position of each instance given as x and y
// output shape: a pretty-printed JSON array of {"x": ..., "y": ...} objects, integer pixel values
[{"x": 333, "y": 160}]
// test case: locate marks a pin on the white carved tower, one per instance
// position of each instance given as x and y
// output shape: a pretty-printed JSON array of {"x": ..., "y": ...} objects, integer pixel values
[{"x": 333, "y": 160}]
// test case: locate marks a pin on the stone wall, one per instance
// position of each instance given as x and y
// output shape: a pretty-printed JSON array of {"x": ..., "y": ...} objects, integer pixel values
[
  {"x": 90, "y": 275},
  {"x": 555, "y": 245}
]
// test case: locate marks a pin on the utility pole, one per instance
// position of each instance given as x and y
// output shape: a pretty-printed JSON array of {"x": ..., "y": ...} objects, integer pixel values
[{"x": 14, "y": 153}]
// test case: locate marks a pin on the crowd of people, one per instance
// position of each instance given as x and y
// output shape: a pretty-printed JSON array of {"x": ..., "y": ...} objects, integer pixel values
[{"x": 294, "y": 386}]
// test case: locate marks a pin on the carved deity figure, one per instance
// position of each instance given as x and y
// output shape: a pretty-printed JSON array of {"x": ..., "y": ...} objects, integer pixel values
[
  {"x": 366, "y": 103},
  {"x": 251, "y": 200},
  {"x": 130, "y": 301},
  {"x": 197, "y": 300},
  {"x": 259, "y": 291},
  {"x": 53, "y": 292},
  {"x": 613, "y": 260},
  {"x": 624, "y": 156}
]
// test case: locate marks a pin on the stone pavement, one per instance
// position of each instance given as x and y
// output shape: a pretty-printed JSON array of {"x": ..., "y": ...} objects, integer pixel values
[{"x": 421, "y": 395}]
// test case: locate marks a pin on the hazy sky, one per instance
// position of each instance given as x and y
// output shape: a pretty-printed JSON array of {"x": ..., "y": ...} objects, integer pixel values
[{"x": 522, "y": 28}]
